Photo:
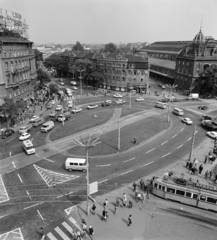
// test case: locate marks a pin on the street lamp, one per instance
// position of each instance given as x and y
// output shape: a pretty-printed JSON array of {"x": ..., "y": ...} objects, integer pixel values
[
  {"x": 171, "y": 88},
  {"x": 130, "y": 88},
  {"x": 80, "y": 77},
  {"x": 88, "y": 143}
]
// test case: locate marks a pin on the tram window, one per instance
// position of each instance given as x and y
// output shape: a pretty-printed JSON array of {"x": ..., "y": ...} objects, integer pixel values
[
  {"x": 171, "y": 190},
  {"x": 179, "y": 192},
  {"x": 202, "y": 198},
  {"x": 163, "y": 188},
  {"x": 155, "y": 185},
  {"x": 188, "y": 194},
  {"x": 159, "y": 186},
  {"x": 211, "y": 200},
  {"x": 195, "y": 196}
]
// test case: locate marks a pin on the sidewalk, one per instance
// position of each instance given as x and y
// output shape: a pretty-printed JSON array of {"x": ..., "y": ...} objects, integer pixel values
[{"x": 156, "y": 219}]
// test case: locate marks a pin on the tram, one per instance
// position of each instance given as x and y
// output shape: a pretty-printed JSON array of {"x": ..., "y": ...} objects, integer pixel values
[{"x": 187, "y": 192}]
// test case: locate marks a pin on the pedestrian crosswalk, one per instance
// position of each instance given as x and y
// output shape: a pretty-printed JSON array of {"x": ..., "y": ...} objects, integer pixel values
[{"x": 64, "y": 230}]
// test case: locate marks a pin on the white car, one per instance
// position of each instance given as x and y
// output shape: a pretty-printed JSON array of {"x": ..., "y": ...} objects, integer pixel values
[
  {"x": 58, "y": 108},
  {"x": 212, "y": 134},
  {"x": 73, "y": 83},
  {"x": 140, "y": 99},
  {"x": 69, "y": 94},
  {"x": 62, "y": 84},
  {"x": 61, "y": 118},
  {"x": 70, "y": 104},
  {"x": 120, "y": 101},
  {"x": 76, "y": 110},
  {"x": 92, "y": 106},
  {"x": 117, "y": 96},
  {"x": 52, "y": 102},
  {"x": 187, "y": 121},
  {"x": 24, "y": 136},
  {"x": 75, "y": 88},
  {"x": 33, "y": 118},
  {"x": 163, "y": 87}
]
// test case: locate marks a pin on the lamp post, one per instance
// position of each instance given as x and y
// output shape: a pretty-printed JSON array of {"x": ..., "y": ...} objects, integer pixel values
[
  {"x": 88, "y": 143},
  {"x": 130, "y": 88},
  {"x": 80, "y": 77},
  {"x": 171, "y": 88}
]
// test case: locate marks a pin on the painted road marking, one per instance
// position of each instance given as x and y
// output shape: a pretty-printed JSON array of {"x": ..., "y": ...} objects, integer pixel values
[
  {"x": 20, "y": 177},
  {"x": 196, "y": 132},
  {"x": 14, "y": 164},
  {"x": 130, "y": 160},
  {"x": 179, "y": 146},
  {"x": 151, "y": 150},
  {"x": 3, "y": 192},
  {"x": 28, "y": 194},
  {"x": 174, "y": 135},
  {"x": 40, "y": 215},
  {"x": 182, "y": 129},
  {"x": 38, "y": 132},
  {"x": 164, "y": 142},
  {"x": 189, "y": 139},
  {"x": 61, "y": 233},
  {"x": 33, "y": 205},
  {"x": 11, "y": 139},
  {"x": 48, "y": 160},
  {"x": 68, "y": 210},
  {"x": 166, "y": 155},
  {"x": 126, "y": 172},
  {"x": 103, "y": 181},
  {"x": 190, "y": 115},
  {"x": 106, "y": 165},
  {"x": 14, "y": 234},
  {"x": 147, "y": 163},
  {"x": 52, "y": 178}
]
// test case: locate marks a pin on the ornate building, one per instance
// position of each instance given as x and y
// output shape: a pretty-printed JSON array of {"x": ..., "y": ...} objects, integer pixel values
[{"x": 17, "y": 68}]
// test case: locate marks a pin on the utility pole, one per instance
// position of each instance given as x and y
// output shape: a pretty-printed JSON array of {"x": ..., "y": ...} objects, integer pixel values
[
  {"x": 80, "y": 71},
  {"x": 192, "y": 144},
  {"x": 170, "y": 95}
]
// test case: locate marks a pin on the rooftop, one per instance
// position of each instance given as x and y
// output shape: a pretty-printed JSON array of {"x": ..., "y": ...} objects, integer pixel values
[{"x": 162, "y": 63}]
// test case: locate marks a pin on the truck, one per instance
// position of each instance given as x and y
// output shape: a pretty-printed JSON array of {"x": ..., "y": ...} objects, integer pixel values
[
  {"x": 210, "y": 125},
  {"x": 193, "y": 96}
]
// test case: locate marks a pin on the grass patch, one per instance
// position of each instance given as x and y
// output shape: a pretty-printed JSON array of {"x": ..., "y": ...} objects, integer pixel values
[{"x": 142, "y": 130}]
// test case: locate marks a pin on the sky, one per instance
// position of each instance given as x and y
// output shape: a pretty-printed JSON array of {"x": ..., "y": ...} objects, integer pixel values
[{"x": 117, "y": 21}]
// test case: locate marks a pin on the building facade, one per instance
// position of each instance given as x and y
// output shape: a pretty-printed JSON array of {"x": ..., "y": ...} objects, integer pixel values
[{"x": 17, "y": 68}]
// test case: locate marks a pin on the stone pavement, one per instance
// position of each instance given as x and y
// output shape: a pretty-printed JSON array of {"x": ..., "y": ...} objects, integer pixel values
[{"x": 156, "y": 219}]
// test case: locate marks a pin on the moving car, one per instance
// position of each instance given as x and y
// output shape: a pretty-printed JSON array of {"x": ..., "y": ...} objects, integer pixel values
[
  {"x": 49, "y": 106},
  {"x": 92, "y": 106},
  {"x": 157, "y": 93},
  {"x": 73, "y": 83},
  {"x": 33, "y": 119},
  {"x": 74, "y": 88},
  {"x": 69, "y": 94},
  {"x": 70, "y": 104},
  {"x": 203, "y": 107},
  {"x": 76, "y": 110},
  {"x": 160, "y": 105},
  {"x": 117, "y": 96},
  {"x": 163, "y": 87},
  {"x": 187, "y": 121},
  {"x": 24, "y": 136},
  {"x": 52, "y": 102},
  {"x": 63, "y": 117},
  {"x": 47, "y": 126},
  {"x": 160, "y": 85},
  {"x": 25, "y": 128},
  {"x": 212, "y": 134},
  {"x": 52, "y": 114},
  {"x": 58, "y": 107},
  {"x": 120, "y": 101},
  {"x": 38, "y": 122},
  {"x": 106, "y": 103},
  {"x": 62, "y": 84},
  {"x": 140, "y": 99}
]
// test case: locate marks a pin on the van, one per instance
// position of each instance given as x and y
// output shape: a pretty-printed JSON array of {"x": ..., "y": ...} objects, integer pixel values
[
  {"x": 161, "y": 105},
  {"x": 25, "y": 128},
  {"x": 206, "y": 117},
  {"x": 28, "y": 147},
  {"x": 76, "y": 164},
  {"x": 47, "y": 126},
  {"x": 178, "y": 111},
  {"x": 38, "y": 122}
]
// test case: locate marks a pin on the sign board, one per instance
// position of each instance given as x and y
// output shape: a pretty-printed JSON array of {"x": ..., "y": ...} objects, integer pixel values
[{"x": 93, "y": 187}]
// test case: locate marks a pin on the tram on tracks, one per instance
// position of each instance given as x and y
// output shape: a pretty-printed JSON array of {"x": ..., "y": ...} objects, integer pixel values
[{"x": 186, "y": 191}]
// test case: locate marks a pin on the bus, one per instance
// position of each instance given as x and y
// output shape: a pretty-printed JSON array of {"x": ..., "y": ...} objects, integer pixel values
[
  {"x": 28, "y": 147},
  {"x": 185, "y": 191}
]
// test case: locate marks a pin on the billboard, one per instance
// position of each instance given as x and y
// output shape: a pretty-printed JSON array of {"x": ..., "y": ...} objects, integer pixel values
[{"x": 13, "y": 21}]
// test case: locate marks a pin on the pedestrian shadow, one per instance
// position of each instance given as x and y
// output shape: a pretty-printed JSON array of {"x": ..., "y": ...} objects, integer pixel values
[
  {"x": 125, "y": 221},
  {"x": 112, "y": 210}
]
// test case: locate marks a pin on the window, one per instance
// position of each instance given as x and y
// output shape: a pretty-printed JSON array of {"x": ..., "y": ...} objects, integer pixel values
[
  {"x": 6, "y": 65},
  {"x": 160, "y": 186},
  {"x": 141, "y": 79},
  {"x": 163, "y": 188},
  {"x": 123, "y": 78},
  {"x": 171, "y": 190},
  {"x": 5, "y": 53},
  {"x": 211, "y": 200},
  {"x": 180, "y": 192},
  {"x": 12, "y": 67},
  {"x": 202, "y": 198},
  {"x": 188, "y": 194},
  {"x": 155, "y": 185}
]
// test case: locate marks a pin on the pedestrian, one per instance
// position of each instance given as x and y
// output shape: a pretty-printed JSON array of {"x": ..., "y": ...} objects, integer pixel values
[
  {"x": 210, "y": 174},
  {"x": 144, "y": 197},
  {"x": 104, "y": 215},
  {"x": 141, "y": 183},
  {"x": 200, "y": 168},
  {"x": 206, "y": 157},
  {"x": 117, "y": 203},
  {"x": 129, "y": 220},
  {"x": 42, "y": 231},
  {"x": 134, "y": 186},
  {"x": 116, "y": 210},
  {"x": 105, "y": 204},
  {"x": 124, "y": 200},
  {"x": 91, "y": 232},
  {"x": 130, "y": 204},
  {"x": 206, "y": 174},
  {"x": 134, "y": 140},
  {"x": 93, "y": 208}
]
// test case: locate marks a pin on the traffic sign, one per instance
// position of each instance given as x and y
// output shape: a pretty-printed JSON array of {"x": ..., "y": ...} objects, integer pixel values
[{"x": 93, "y": 187}]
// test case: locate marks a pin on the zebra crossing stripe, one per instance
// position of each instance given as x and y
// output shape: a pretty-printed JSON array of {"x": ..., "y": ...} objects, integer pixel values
[{"x": 51, "y": 236}]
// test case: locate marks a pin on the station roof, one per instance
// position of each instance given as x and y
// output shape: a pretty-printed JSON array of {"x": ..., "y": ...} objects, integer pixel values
[
  {"x": 14, "y": 40},
  {"x": 162, "y": 63}
]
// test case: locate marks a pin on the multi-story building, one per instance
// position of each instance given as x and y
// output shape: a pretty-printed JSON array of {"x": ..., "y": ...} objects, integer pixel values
[
  {"x": 182, "y": 62},
  {"x": 17, "y": 68}
]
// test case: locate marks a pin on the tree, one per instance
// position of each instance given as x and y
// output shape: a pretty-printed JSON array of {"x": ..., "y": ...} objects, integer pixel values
[
  {"x": 38, "y": 55},
  {"x": 110, "y": 48},
  {"x": 42, "y": 77},
  {"x": 53, "y": 89},
  {"x": 78, "y": 47}
]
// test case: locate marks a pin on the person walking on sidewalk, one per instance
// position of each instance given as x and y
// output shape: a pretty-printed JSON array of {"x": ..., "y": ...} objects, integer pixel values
[
  {"x": 124, "y": 200},
  {"x": 134, "y": 140},
  {"x": 129, "y": 220},
  {"x": 104, "y": 215},
  {"x": 134, "y": 186},
  {"x": 93, "y": 208},
  {"x": 91, "y": 232},
  {"x": 206, "y": 158},
  {"x": 200, "y": 168},
  {"x": 105, "y": 204},
  {"x": 116, "y": 210}
]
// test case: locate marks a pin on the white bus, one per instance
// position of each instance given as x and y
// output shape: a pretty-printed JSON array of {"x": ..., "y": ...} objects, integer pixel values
[{"x": 28, "y": 147}]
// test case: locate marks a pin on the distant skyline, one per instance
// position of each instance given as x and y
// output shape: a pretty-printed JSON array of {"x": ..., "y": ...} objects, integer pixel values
[{"x": 117, "y": 21}]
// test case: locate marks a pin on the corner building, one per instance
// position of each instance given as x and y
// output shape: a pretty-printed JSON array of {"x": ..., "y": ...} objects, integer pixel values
[{"x": 17, "y": 68}]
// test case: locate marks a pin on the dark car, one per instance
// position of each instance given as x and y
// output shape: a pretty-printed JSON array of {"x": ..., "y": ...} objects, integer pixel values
[
  {"x": 157, "y": 93},
  {"x": 164, "y": 100},
  {"x": 106, "y": 103},
  {"x": 7, "y": 133},
  {"x": 203, "y": 107}
]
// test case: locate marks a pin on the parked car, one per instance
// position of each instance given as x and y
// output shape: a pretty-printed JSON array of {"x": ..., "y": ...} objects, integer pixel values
[
  {"x": 24, "y": 136},
  {"x": 92, "y": 106},
  {"x": 62, "y": 84},
  {"x": 140, "y": 99},
  {"x": 157, "y": 93},
  {"x": 187, "y": 121},
  {"x": 25, "y": 128},
  {"x": 203, "y": 107},
  {"x": 74, "y": 88},
  {"x": 6, "y": 132},
  {"x": 76, "y": 110},
  {"x": 38, "y": 122},
  {"x": 163, "y": 87},
  {"x": 58, "y": 107},
  {"x": 73, "y": 83},
  {"x": 212, "y": 134},
  {"x": 49, "y": 125},
  {"x": 49, "y": 106},
  {"x": 117, "y": 96},
  {"x": 52, "y": 114},
  {"x": 52, "y": 102},
  {"x": 70, "y": 104},
  {"x": 63, "y": 117},
  {"x": 33, "y": 118}
]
